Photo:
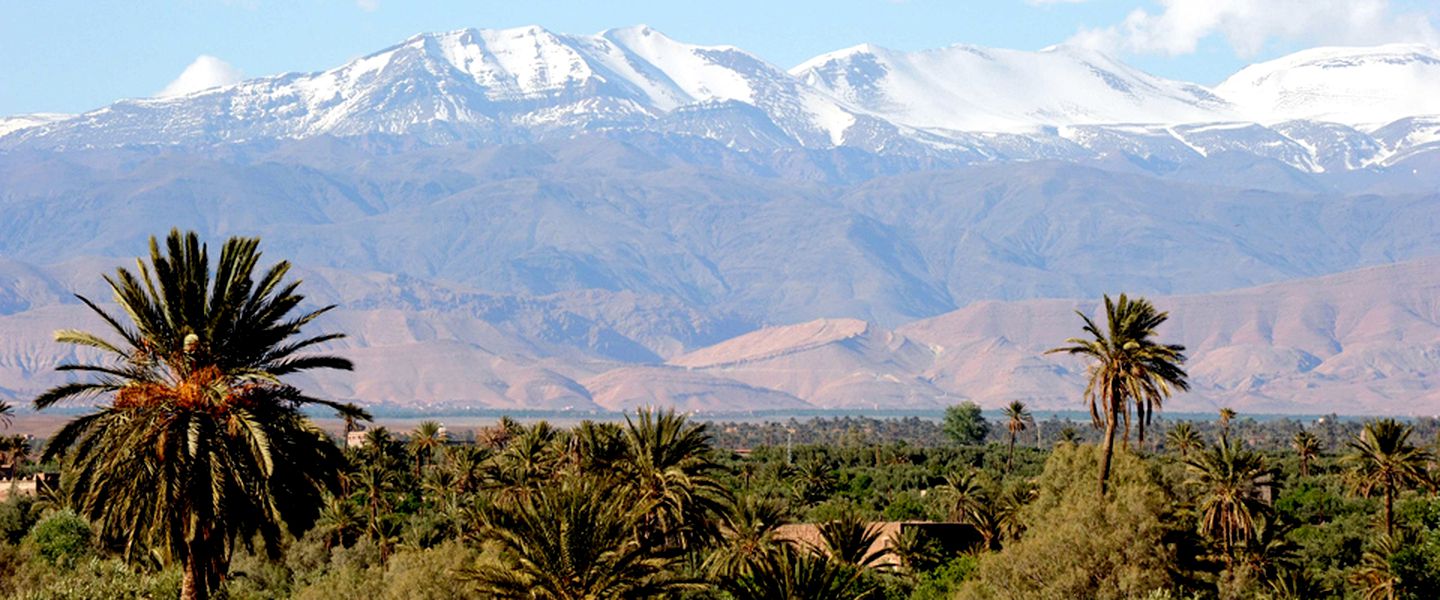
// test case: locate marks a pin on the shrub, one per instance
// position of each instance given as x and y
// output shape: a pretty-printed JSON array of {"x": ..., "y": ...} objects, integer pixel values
[
  {"x": 61, "y": 538},
  {"x": 1080, "y": 545}
]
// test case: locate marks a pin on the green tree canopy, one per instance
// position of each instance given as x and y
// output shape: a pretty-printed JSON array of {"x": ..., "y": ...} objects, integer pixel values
[{"x": 965, "y": 425}]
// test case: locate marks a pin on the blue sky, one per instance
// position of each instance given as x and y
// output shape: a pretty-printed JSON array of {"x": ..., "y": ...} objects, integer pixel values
[{"x": 71, "y": 56}]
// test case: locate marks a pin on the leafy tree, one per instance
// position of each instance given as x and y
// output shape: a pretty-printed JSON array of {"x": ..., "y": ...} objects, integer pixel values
[
  {"x": 1080, "y": 545},
  {"x": 1128, "y": 366},
  {"x": 1017, "y": 419},
  {"x": 965, "y": 425},
  {"x": 1232, "y": 482},
  {"x": 1383, "y": 459},
  {"x": 202, "y": 444}
]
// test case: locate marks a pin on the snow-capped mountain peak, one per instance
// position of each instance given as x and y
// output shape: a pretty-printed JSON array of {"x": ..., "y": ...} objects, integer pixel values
[
  {"x": 969, "y": 88},
  {"x": 1319, "y": 109},
  {"x": 1364, "y": 86}
]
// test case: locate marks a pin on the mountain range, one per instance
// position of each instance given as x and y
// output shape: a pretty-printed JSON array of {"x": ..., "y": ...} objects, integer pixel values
[{"x": 520, "y": 219}]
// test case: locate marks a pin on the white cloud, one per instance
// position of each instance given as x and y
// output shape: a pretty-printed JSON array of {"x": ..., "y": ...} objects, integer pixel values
[
  {"x": 205, "y": 73},
  {"x": 1248, "y": 25},
  {"x": 368, "y": 5}
]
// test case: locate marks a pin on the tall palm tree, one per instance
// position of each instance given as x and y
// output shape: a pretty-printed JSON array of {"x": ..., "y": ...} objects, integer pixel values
[
  {"x": 7, "y": 414},
  {"x": 427, "y": 437},
  {"x": 1384, "y": 460},
  {"x": 373, "y": 487},
  {"x": 1128, "y": 365},
  {"x": 1183, "y": 438},
  {"x": 573, "y": 541},
  {"x": 202, "y": 443},
  {"x": 1233, "y": 482},
  {"x": 1017, "y": 419},
  {"x": 1227, "y": 415},
  {"x": 668, "y": 465},
  {"x": 1307, "y": 447}
]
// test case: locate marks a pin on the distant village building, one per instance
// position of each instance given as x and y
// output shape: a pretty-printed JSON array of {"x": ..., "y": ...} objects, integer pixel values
[
  {"x": 28, "y": 486},
  {"x": 356, "y": 439}
]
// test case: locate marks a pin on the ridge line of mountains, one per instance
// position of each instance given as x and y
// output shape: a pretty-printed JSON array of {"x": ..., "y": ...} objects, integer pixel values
[{"x": 516, "y": 219}]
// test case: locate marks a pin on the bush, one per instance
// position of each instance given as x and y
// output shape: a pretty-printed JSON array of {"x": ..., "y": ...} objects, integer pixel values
[
  {"x": 96, "y": 578},
  {"x": 17, "y": 516},
  {"x": 942, "y": 582},
  {"x": 61, "y": 538},
  {"x": 1080, "y": 545}
]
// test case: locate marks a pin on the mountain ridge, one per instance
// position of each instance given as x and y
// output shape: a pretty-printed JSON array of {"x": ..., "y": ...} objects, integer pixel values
[{"x": 959, "y": 104}]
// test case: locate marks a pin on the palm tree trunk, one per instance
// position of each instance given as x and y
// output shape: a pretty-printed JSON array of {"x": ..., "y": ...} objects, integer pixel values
[
  {"x": 1107, "y": 449},
  {"x": 1140, "y": 420},
  {"x": 1389, "y": 506},
  {"x": 1010, "y": 456},
  {"x": 195, "y": 585}
]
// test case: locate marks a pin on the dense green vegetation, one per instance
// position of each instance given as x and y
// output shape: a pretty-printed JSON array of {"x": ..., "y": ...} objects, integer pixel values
[{"x": 200, "y": 477}]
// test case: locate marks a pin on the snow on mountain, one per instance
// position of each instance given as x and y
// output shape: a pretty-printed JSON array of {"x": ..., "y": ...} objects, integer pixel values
[
  {"x": 968, "y": 88},
  {"x": 18, "y": 122},
  {"x": 1318, "y": 110},
  {"x": 500, "y": 84},
  {"x": 1366, "y": 86}
]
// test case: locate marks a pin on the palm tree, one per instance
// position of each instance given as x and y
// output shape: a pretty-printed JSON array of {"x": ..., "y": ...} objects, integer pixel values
[
  {"x": 7, "y": 414},
  {"x": 1376, "y": 573},
  {"x": 914, "y": 550},
  {"x": 1233, "y": 482},
  {"x": 963, "y": 491},
  {"x": 572, "y": 540},
  {"x": 853, "y": 540},
  {"x": 339, "y": 522},
  {"x": 750, "y": 523},
  {"x": 1183, "y": 438},
  {"x": 373, "y": 487},
  {"x": 1128, "y": 366},
  {"x": 667, "y": 465},
  {"x": 202, "y": 443},
  {"x": 1383, "y": 459},
  {"x": 1017, "y": 419},
  {"x": 1069, "y": 435},
  {"x": 1227, "y": 414},
  {"x": 427, "y": 437},
  {"x": 795, "y": 574},
  {"x": 1307, "y": 447}
]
